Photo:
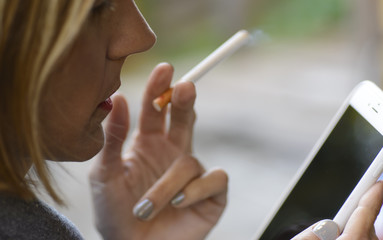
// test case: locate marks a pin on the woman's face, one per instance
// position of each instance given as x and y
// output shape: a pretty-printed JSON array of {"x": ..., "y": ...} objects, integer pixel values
[{"x": 76, "y": 98}]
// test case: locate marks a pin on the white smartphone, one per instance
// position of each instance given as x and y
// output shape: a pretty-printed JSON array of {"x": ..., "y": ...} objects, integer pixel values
[{"x": 334, "y": 167}]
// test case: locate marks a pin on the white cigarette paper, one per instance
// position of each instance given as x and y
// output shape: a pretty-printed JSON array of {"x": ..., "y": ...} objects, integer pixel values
[
  {"x": 234, "y": 43},
  {"x": 238, "y": 40}
]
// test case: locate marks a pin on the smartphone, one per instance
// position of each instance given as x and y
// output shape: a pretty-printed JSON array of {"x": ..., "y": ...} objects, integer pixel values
[{"x": 333, "y": 168}]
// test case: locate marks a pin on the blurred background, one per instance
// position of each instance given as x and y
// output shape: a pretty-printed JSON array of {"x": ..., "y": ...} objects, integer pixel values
[{"x": 261, "y": 111}]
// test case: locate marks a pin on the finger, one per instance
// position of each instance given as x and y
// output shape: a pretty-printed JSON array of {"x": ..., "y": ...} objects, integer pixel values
[
  {"x": 324, "y": 230},
  {"x": 182, "y": 115},
  {"x": 212, "y": 184},
  {"x": 151, "y": 120},
  {"x": 116, "y": 130},
  {"x": 180, "y": 173},
  {"x": 362, "y": 220}
]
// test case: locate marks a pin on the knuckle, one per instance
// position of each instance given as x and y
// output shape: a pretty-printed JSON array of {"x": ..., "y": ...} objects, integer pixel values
[
  {"x": 185, "y": 95},
  {"x": 183, "y": 119},
  {"x": 367, "y": 210},
  {"x": 192, "y": 164}
]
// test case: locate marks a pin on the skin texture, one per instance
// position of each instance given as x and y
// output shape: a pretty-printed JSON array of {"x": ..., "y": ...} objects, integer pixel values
[
  {"x": 86, "y": 76},
  {"x": 159, "y": 164},
  {"x": 157, "y": 167}
]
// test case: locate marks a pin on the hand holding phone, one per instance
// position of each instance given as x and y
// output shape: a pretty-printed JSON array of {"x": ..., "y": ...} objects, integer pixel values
[
  {"x": 359, "y": 226},
  {"x": 345, "y": 151},
  {"x": 369, "y": 178}
]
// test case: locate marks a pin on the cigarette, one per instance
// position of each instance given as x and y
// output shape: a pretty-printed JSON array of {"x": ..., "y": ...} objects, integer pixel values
[{"x": 241, "y": 38}]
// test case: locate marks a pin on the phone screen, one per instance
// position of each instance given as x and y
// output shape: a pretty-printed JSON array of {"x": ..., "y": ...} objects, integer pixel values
[{"x": 330, "y": 178}]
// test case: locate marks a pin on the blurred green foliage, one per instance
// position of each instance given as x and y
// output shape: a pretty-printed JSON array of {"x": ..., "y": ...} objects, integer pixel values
[
  {"x": 185, "y": 27},
  {"x": 301, "y": 18}
]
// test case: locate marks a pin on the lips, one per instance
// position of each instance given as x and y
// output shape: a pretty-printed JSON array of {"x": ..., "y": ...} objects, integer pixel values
[{"x": 106, "y": 105}]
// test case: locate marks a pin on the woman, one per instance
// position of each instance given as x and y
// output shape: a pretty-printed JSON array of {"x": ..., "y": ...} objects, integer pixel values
[{"x": 60, "y": 64}]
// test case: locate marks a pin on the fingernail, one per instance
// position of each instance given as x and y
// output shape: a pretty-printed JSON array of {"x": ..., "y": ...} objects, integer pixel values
[
  {"x": 326, "y": 230},
  {"x": 143, "y": 209},
  {"x": 178, "y": 199}
]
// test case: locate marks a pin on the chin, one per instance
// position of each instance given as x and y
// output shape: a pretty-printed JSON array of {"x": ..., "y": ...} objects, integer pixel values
[
  {"x": 78, "y": 151},
  {"x": 88, "y": 150},
  {"x": 88, "y": 154}
]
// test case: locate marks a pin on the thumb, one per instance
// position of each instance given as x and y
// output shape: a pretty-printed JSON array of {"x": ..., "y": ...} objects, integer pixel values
[
  {"x": 323, "y": 230},
  {"x": 116, "y": 130}
]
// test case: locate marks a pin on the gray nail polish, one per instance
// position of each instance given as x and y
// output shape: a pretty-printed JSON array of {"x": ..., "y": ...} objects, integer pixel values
[
  {"x": 178, "y": 199},
  {"x": 143, "y": 209},
  {"x": 326, "y": 230}
]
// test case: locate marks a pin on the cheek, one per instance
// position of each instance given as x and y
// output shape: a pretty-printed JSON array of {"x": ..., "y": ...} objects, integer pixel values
[
  {"x": 71, "y": 135},
  {"x": 70, "y": 119}
]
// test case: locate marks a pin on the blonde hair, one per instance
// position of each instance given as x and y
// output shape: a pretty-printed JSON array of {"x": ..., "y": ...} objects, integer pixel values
[{"x": 34, "y": 34}]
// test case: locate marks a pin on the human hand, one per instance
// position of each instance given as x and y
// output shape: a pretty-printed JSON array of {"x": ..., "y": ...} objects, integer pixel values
[
  {"x": 157, "y": 171},
  {"x": 359, "y": 226}
]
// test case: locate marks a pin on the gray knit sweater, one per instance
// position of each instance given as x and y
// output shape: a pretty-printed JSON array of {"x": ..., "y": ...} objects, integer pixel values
[{"x": 33, "y": 220}]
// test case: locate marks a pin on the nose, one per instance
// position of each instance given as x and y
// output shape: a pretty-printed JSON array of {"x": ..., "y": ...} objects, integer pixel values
[{"x": 130, "y": 33}]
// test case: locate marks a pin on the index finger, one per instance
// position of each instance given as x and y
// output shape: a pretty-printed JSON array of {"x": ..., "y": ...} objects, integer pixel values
[{"x": 151, "y": 120}]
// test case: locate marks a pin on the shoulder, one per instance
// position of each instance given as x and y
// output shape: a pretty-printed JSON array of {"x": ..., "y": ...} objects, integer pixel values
[{"x": 21, "y": 219}]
